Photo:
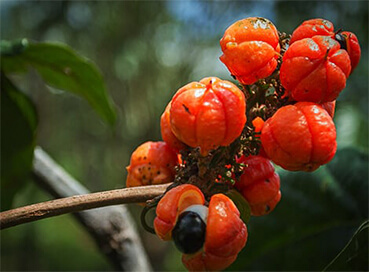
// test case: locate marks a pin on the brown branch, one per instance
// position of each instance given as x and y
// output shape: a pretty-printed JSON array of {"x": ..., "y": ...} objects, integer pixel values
[
  {"x": 79, "y": 203},
  {"x": 112, "y": 227}
]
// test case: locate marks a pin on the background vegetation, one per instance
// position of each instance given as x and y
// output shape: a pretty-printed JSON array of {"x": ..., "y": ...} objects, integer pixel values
[{"x": 146, "y": 51}]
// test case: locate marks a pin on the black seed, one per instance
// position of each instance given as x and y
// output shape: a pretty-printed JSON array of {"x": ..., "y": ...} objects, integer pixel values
[
  {"x": 267, "y": 180},
  {"x": 341, "y": 40},
  {"x": 189, "y": 233}
]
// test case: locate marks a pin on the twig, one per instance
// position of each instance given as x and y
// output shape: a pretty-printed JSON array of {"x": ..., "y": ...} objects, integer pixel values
[
  {"x": 78, "y": 203},
  {"x": 112, "y": 227}
]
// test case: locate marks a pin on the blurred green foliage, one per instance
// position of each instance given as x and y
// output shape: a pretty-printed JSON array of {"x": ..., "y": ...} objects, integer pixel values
[
  {"x": 19, "y": 123},
  {"x": 146, "y": 51}
]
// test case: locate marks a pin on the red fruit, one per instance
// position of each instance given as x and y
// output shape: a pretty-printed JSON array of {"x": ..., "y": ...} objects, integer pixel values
[
  {"x": 300, "y": 137},
  {"x": 226, "y": 235},
  {"x": 350, "y": 43},
  {"x": 166, "y": 131},
  {"x": 256, "y": 168},
  {"x": 311, "y": 28},
  {"x": 265, "y": 208},
  {"x": 208, "y": 114},
  {"x": 172, "y": 204},
  {"x": 315, "y": 69},
  {"x": 321, "y": 27},
  {"x": 259, "y": 184},
  {"x": 151, "y": 163},
  {"x": 250, "y": 49}
]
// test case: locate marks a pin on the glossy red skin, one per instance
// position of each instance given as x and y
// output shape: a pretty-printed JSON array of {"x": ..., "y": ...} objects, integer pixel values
[
  {"x": 315, "y": 69},
  {"x": 250, "y": 49},
  {"x": 166, "y": 131},
  {"x": 322, "y": 27},
  {"x": 311, "y": 28},
  {"x": 151, "y": 163},
  {"x": 259, "y": 184},
  {"x": 256, "y": 168},
  {"x": 208, "y": 114},
  {"x": 300, "y": 137},
  {"x": 226, "y": 235},
  {"x": 172, "y": 204},
  {"x": 265, "y": 208},
  {"x": 353, "y": 48}
]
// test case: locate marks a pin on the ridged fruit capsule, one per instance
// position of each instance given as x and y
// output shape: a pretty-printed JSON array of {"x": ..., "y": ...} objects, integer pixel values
[
  {"x": 250, "y": 49},
  {"x": 311, "y": 28},
  {"x": 315, "y": 69},
  {"x": 151, "y": 163},
  {"x": 259, "y": 184},
  {"x": 226, "y": 235},
  {"x": 321, "y": 27},
  {"x": 166, "y": 131},
  {"x": 173, "y": 203},
  {"x": 208, "y": 114},
  {"x": 300, "y": 137},
  {"x": 350, "y": 43}
]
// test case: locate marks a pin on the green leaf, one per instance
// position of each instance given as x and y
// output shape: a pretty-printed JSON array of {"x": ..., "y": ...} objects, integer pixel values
[
  {"x": 241, "y": 203},
  {"x": 18, "y": 128},
  {"x": 62, "y": 68},
  {"x": 354, "y": 256},
  {"x": 317, "y": 215}
]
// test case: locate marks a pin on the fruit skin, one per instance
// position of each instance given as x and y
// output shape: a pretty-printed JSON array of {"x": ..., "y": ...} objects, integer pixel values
[
  {"x": 208, "y": 114},
  {"x": 172, "y": 204},
  {"x": 315, "y": 69},
  {"x": 311, "y": 28},
  {"x": 352, "y": 48},
  {"x": 322, "y": 27},
  {"x": 259, "y": 184},
  {"x": 226, "y": 235},
  {"x": 300, "y": 137},
  {"x": 250, "y": 49},
  {"x": 166, "y": 131},
  {"x": 266, "y": 208},
  {"x": 151, "y": 163}
]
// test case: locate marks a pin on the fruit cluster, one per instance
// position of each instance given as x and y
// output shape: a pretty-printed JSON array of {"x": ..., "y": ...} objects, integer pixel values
[{"x": 220, "y": 140}]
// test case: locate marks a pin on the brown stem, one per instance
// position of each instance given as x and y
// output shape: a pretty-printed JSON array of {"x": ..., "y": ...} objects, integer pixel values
[
  {"x": 78, "y": 203},
  {"x": 112, "y": 227}
]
